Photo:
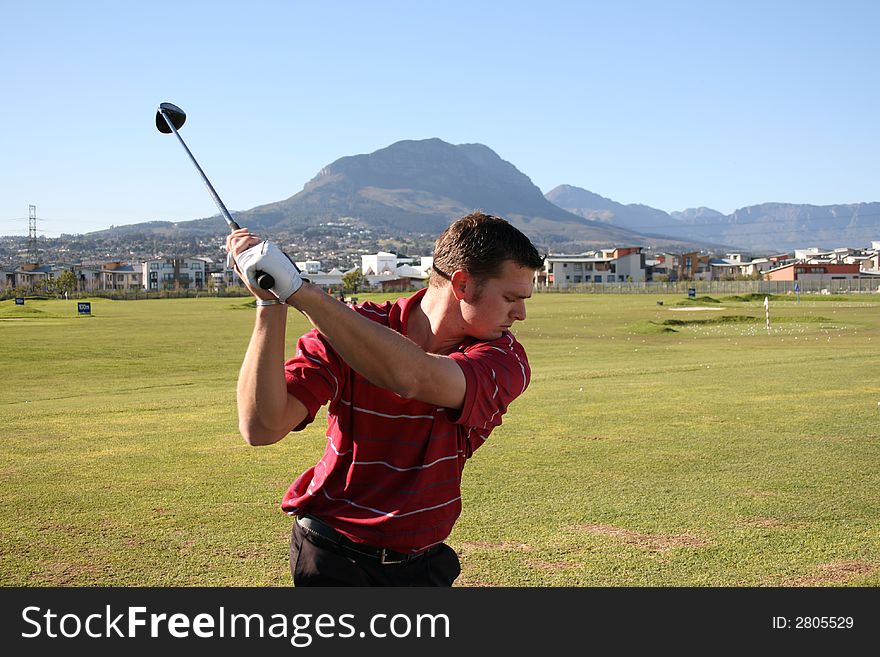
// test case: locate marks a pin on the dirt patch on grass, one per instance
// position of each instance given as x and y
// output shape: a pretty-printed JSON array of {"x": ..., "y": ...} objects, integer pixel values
[
  {"x": 654, "y": 542},
  {"x": 70, "y": 573},
  {"x": 765, "y": 522},
  {"x": 697, "y": 308},
  {"x": 551, "y": 566},
  {"x": 472, "y": 583},
  {"x": 840, "y": 572},
  {"x": 466, "y": 546}
]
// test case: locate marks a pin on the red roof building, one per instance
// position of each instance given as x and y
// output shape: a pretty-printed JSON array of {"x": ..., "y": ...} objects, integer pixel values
[{"x": 801, "y": 271}]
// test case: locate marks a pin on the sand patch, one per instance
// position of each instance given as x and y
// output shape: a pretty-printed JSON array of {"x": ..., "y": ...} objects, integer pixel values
[
  {"x": 765, "y": 522},
  {"x": 466, "y": 546},
  {"x": 840, "y": 572},
  {"x": 551, "y": 566},
  {"x": 696, "y": 308},
  {"x": 466, "y": 582},
  {"x": 654, "y": 542}
]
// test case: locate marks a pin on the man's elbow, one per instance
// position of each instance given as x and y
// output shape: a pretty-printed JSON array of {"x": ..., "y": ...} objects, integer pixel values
[
  {"x": 258, "y": 436},
  {"x": 407, "y": 386}
]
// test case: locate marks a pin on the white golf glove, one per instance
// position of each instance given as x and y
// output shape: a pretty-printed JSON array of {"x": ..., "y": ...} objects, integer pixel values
[{"x": 267, "y": 258}]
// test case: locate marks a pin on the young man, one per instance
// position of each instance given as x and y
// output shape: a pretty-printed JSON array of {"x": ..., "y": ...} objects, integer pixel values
[{"x": 414, "y": 387}]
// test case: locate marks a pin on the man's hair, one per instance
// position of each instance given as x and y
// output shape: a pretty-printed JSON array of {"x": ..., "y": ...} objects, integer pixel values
[{"x": 479, "y": 244}]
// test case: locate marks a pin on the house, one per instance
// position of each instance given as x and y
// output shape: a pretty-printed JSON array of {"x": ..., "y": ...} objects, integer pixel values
[
  {"x": 382, "y": 263},
  {"x": 663, "y": 264},
  {"x": 806, "y": 271},
  {"x": 327, "y": 280},
  {"x": 120, "y": 276},
  {"x": 7, "y": 277},
  {"x": 692, "y": 266},
  {"x": 174, "y": 273},
  {"x": 34, "y": 275},
  {"x": 391, "y": 272},
  {"x": 725, "y": 269},
  {"x": 404, "y": 277},
  {"x": 619, "y": 265}
]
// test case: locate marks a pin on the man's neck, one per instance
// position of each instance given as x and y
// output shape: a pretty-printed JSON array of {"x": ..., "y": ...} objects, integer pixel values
[{"x": 435, "y": 323}]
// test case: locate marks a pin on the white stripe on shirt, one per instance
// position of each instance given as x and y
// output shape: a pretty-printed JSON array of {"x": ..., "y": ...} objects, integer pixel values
[
  {"x": 389, "y": 514},
  {"x": 415, "y": 467},
  {"x": 392, "y": 417},
  {"x": 323, "y": 366}
]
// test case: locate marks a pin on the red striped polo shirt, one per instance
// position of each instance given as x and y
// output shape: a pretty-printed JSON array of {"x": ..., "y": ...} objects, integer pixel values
[{"x": 390, "y": 475}]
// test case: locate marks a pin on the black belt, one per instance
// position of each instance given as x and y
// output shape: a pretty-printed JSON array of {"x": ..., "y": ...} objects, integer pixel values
[{"x": 383, "y": 555}]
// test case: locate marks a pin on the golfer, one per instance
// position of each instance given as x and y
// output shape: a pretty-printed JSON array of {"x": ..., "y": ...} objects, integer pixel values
[{"x": 414, "y": 387}]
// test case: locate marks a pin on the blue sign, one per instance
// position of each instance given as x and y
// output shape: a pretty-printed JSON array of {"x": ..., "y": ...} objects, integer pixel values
[
  {"x": 692, "y": 293},
  {"x": 84, "y": 308},
  {"x": 19, "y": 301}
]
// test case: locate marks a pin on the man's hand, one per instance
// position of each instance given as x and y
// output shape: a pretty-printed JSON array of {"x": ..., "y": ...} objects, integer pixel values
[
  {"x": 268, "y": 258},
  {"x": 252, "y": 256}
]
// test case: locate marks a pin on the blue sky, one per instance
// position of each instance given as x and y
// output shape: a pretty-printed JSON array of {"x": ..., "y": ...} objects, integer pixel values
[{"x": 670, "y": 104}]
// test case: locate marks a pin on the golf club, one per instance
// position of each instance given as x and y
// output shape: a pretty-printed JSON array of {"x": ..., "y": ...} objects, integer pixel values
[{"x": 170, "y": 118}]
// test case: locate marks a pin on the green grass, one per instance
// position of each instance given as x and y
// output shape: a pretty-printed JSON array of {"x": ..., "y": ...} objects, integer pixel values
[{"x": 714, "y": 454}]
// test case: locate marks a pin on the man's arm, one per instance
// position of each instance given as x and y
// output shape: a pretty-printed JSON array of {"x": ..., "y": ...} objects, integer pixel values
[
  {"x": 381, "y": 355},
  {"x": 266, "y": 411}
]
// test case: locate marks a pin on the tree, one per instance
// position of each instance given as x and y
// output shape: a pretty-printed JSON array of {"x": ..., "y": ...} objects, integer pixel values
[
  {"x": 354, "y": 281},
  {"x": 66, "y": 282}
]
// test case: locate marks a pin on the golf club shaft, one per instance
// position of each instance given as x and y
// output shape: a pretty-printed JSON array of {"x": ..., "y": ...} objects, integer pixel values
[
  {"x": 229, "y": 220},
  {"x": 264, "y": 280}
]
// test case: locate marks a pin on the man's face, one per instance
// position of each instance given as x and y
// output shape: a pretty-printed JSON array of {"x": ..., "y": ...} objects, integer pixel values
[{"x": 492, "y": 307}]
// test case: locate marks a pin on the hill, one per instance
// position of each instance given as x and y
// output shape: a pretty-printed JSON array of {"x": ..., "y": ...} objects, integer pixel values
[
  {"x": 416, "y": 187},
  {"x": 764, "y": 228}
]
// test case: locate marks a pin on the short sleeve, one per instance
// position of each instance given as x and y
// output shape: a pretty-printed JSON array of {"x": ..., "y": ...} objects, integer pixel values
[
  {"x": 496, "y": 373},
  {"x": 314, "y": 374}
]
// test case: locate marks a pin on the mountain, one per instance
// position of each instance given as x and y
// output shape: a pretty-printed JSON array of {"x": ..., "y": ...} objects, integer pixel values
[
  {"x": 765, "y": 228},
  {"x": 598, "y": 208},
  {"x": 411, "y": 190},
  {"x": 772, "y": 227},
  {"x": 418, "y": 187},
  {"x": 697, "y": 215}
]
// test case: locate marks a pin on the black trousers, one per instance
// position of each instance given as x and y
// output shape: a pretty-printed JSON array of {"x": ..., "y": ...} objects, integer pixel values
[{"x": 316, "y": 561}]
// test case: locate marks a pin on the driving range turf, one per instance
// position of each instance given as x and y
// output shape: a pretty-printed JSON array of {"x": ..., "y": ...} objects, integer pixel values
[{"x": 658, "y": 445}]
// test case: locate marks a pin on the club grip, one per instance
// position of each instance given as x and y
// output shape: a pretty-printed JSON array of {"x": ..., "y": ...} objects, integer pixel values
[{"x": 265, "y": 281}]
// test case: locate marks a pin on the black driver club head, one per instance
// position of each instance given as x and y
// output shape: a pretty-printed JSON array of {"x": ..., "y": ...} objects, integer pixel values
[{"x": 175, "y": 115}]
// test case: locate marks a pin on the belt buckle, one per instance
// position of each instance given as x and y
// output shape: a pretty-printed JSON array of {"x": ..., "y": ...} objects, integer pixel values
[{"x": 386, "y": 561}]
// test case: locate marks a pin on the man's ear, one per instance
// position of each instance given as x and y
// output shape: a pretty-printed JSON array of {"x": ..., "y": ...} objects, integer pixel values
[{"x": 460, "y": 281}]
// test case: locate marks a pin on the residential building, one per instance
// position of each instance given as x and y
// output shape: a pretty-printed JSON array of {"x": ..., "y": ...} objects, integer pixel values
[
  {"x": 391, "y": 272},
  {"x": 120, "y": 276},
  {"x": 805, "y": 271},
  {"x": 663, "y": 264},
  {"x": 620, "y": 265},
  {"x": 692, "y": 266},
  {"x": 34, "y": 275},
  {"x": 174, "y": 273},
  {"x": 378, "y": 263}
]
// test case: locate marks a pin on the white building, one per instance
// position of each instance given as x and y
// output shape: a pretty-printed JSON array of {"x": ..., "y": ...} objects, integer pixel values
[
  {"x": 174, "y": 273},
  {"x": 388, "y": 272},
  {"x": 378, "y": 263},
  {"x": 622, "y": 265},
  {"x": 384, "y": 263}
]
